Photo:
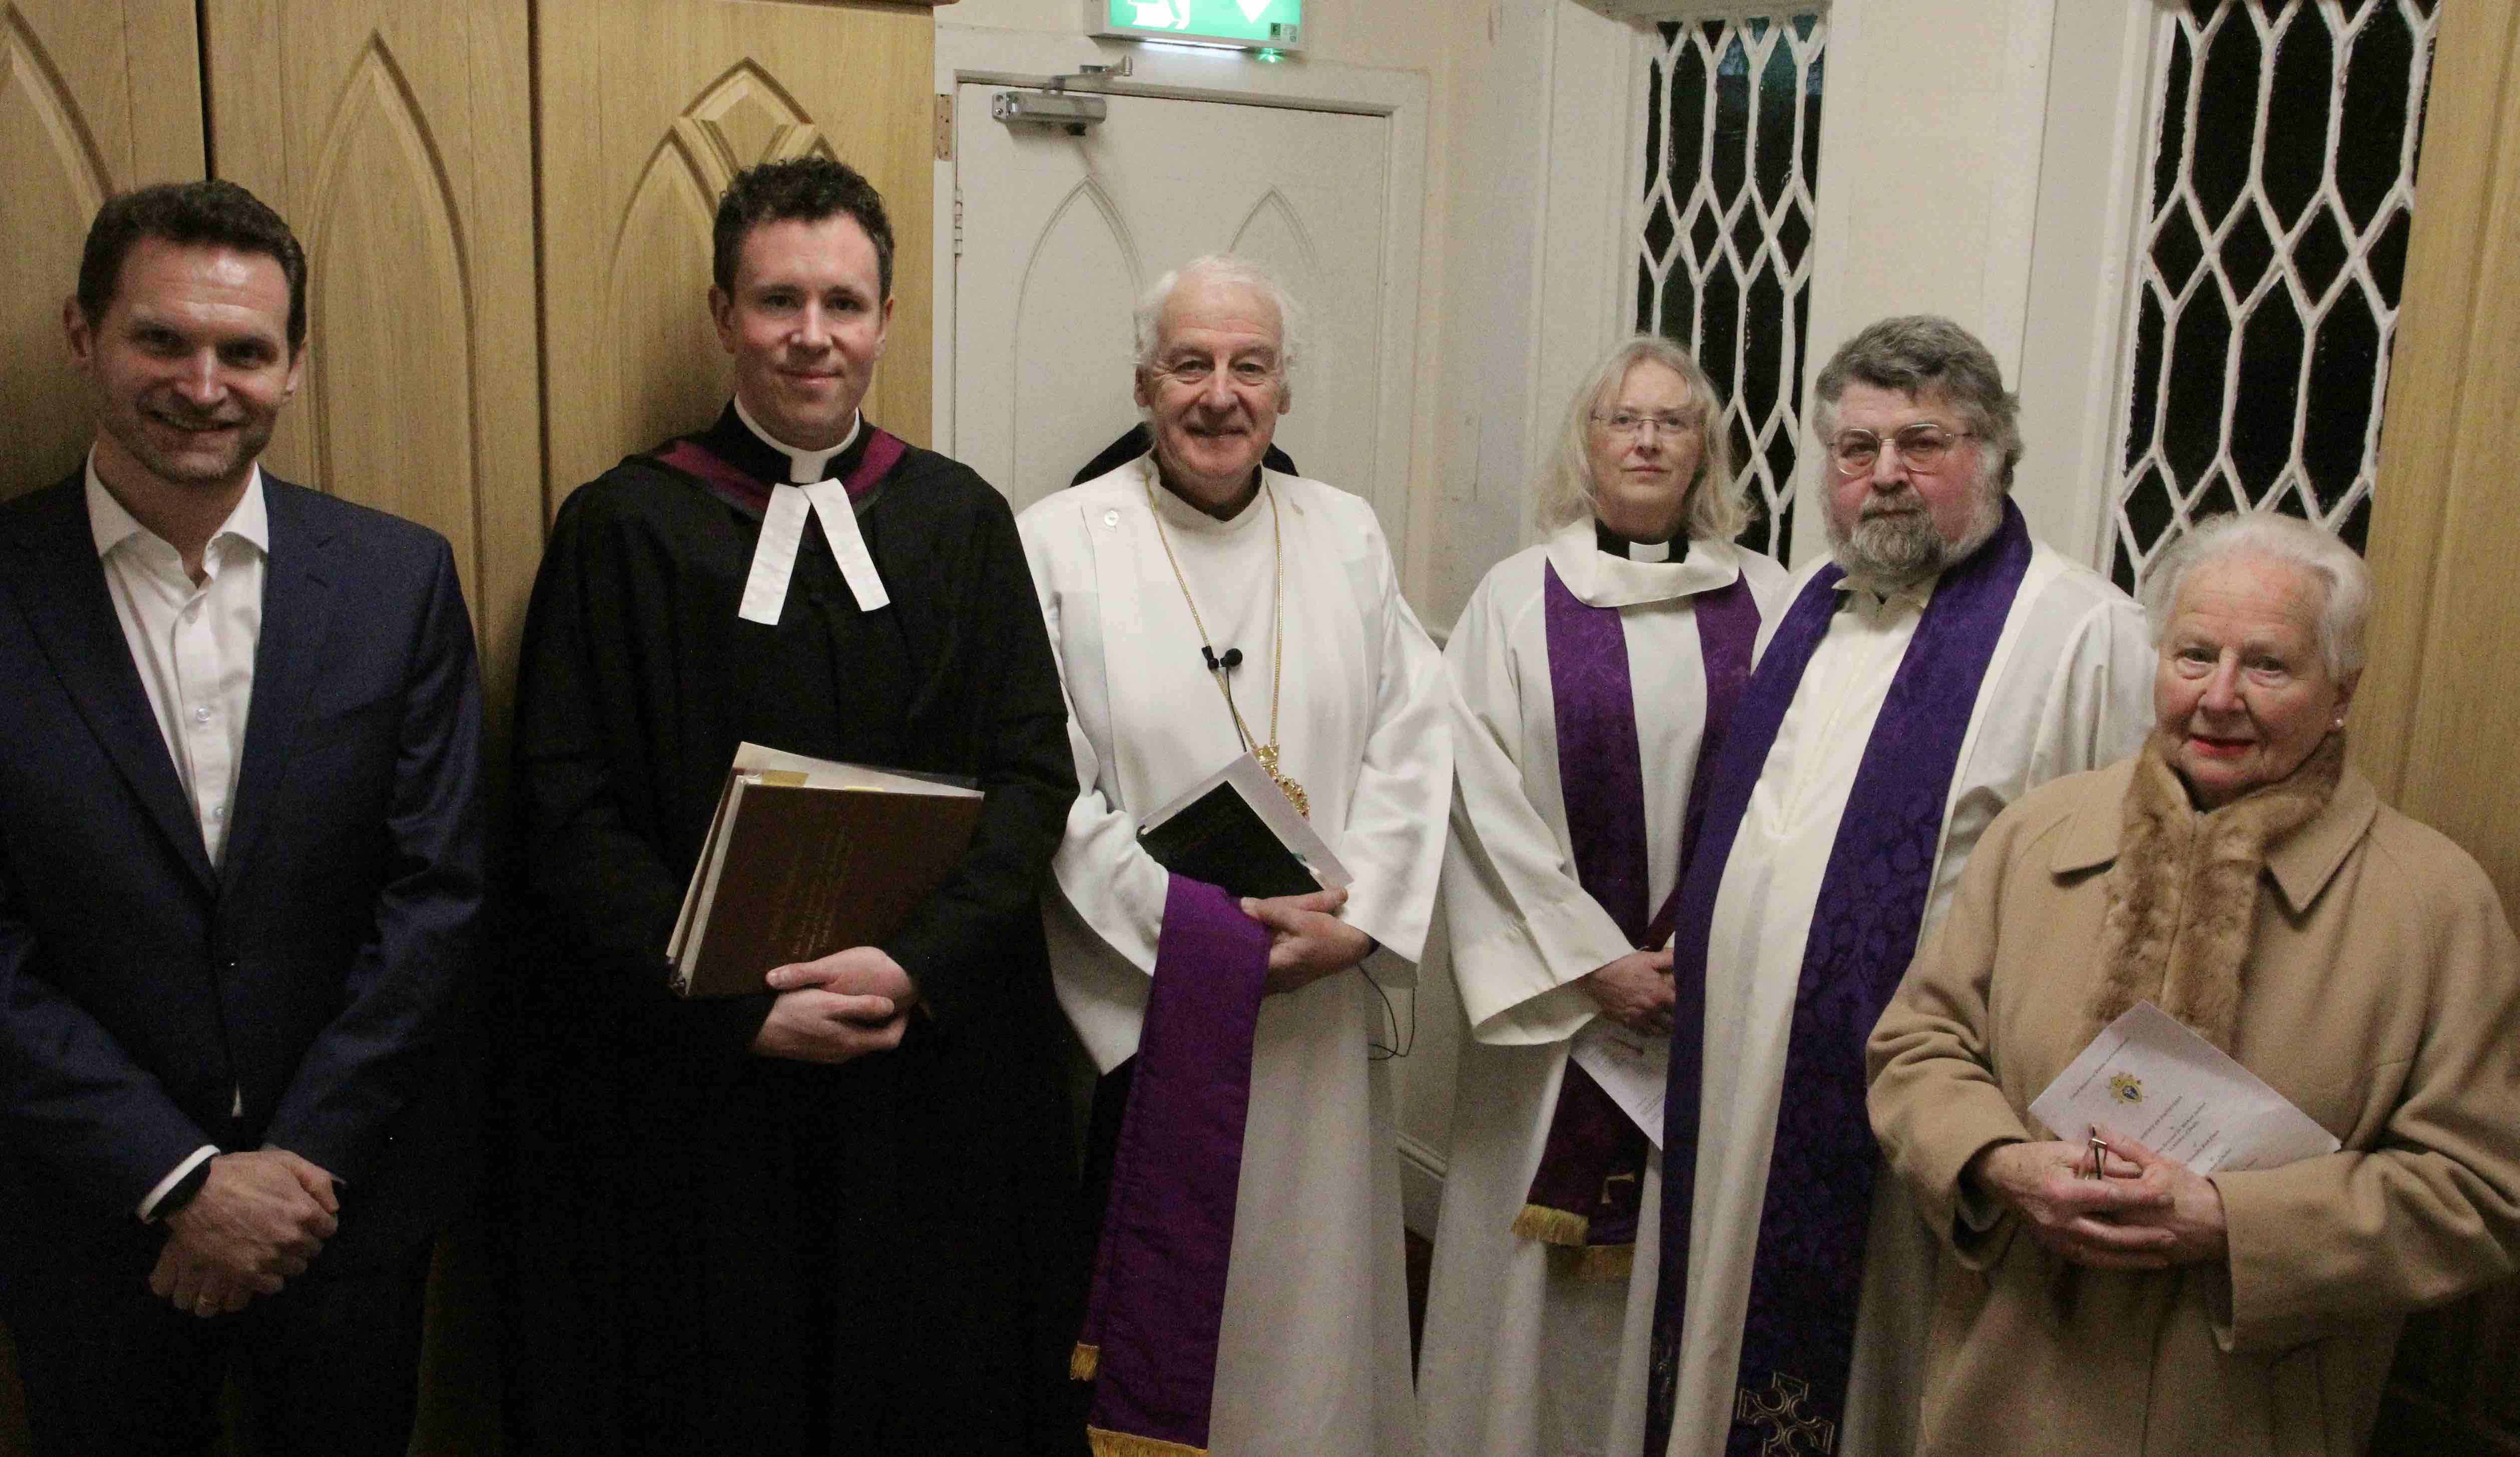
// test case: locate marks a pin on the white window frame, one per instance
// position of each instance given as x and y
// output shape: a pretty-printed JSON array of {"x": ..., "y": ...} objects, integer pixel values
[{"x": 1565, "y": 202}]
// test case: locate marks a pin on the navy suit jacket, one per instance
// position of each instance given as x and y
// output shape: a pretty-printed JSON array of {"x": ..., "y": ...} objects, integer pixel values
[{"x": 311, "y": 979}]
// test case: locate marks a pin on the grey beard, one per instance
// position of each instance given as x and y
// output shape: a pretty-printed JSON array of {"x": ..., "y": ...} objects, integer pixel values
[{"x": 1901, "y": 549}]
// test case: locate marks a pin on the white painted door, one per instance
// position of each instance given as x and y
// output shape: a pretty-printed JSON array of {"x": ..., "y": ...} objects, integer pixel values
[{"x": 1062, "y": 233}]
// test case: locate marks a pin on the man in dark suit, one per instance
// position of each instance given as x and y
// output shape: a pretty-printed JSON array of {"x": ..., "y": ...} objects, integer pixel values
[{"x": 240, "y": 845}]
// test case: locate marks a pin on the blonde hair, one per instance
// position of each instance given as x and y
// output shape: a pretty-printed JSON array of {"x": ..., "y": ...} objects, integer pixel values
[{"x": 1565, "y": 491}]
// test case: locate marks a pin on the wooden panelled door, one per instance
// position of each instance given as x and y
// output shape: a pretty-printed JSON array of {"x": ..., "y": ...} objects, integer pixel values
[
  {"x": 96, "y": 97},
  {"x": 2434, "y": 724},
  {"x": 397, "y": 139},
  {"x": 648, "y": 107}
]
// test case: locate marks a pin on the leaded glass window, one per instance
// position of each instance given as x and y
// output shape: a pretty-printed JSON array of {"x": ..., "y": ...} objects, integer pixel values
[
  {"x": 1732, "y": 157},
  {"x": 2269, "y": 262}
]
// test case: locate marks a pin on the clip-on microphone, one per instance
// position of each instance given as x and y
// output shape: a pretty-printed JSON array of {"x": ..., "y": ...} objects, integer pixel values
[{"x": 1223, "y": 665}]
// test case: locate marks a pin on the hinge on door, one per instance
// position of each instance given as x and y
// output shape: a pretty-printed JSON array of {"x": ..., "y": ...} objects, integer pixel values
[
  {"x": 957, "y": 219},
  {"x": 944, "y": 127}
]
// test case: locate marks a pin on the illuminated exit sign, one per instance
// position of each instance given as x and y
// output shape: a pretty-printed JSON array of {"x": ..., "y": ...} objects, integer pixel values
[{"x": 1244, "y": 25}]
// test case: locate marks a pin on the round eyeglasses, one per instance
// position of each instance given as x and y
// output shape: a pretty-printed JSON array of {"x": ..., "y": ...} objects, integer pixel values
[{"x": 1922, "y": 448}]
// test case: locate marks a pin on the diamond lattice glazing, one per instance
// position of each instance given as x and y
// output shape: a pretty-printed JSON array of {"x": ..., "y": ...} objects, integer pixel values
[
  {"x": 2266, "y": 290},
  {"x": 1731, "y": 160}
]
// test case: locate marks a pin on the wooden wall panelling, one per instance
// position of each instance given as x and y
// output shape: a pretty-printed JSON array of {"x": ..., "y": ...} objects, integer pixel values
[
  {"x": 648, "y": 107},
  {"x": 95, "y": 99},
  {"x": 2434, "y": 723},
  {"x": 397, "y": 138}
]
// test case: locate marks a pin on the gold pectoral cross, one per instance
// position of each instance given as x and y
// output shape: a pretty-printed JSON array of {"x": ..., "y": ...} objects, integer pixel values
[{"x": 1267, "y": 754}]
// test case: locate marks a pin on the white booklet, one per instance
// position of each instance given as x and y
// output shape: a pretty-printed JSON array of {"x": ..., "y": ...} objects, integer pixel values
[
  {"x": 2155, "y": 1081},
  {"x": 1635, "y": 1069}
]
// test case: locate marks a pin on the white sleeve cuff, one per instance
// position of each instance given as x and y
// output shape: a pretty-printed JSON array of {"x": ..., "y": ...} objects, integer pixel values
[{"x": 148, "y": 1210}]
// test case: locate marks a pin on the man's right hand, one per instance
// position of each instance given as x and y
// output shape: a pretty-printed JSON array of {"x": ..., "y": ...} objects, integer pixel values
[
  {"x": 1634, "y": 991},
  {"x": 259, "y": 1220},
  {"x": 810, "y": 1024}
]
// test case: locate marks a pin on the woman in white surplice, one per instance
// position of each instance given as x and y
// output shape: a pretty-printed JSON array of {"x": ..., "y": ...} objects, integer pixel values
[
  {"x": 1530, "y": 1348},
  {"x": 1195, "y": 549}
]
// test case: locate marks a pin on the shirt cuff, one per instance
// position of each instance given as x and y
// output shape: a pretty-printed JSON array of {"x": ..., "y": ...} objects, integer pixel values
[{"x": 148, "y": 1210}]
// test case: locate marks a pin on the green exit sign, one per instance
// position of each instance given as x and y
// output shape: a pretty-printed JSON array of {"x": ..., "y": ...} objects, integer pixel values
[{"x": 1244, "y": 25}]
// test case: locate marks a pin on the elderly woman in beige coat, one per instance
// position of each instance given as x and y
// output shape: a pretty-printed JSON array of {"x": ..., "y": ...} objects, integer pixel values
[{"x": 2241, "y": 876}]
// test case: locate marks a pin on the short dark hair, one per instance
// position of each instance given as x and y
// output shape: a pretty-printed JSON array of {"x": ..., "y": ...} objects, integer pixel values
[
  {"x": 806, "y": 189},
  {"x": 210, "y": 213}
]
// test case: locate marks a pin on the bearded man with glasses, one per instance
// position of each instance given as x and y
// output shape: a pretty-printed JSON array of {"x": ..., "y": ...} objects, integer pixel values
[{"x": 1935, "y": 669}]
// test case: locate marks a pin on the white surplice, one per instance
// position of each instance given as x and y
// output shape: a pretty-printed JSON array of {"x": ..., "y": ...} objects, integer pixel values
[
  {"x": 1314, "y": 1354},
  {"x": 1519, "y": 1360},
  {"x": 2069, "y": 687}
]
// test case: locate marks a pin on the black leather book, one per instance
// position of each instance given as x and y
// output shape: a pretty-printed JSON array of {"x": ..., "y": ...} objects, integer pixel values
[{"x": 1235, "y": 829}]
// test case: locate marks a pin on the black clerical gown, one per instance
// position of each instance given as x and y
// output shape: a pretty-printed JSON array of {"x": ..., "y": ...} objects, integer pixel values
[{"x": 720, "y": 1251}]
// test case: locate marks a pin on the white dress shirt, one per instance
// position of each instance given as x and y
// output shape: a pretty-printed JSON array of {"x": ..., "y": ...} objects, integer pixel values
[{"x": 194, "y": 644}]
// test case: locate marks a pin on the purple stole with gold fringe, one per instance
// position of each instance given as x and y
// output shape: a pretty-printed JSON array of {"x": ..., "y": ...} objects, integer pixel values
[
  {"x": 1157, "y": 1300},
  {"x": 1590, "y": 1186},
  {"x": 1798, "y": 1342}
]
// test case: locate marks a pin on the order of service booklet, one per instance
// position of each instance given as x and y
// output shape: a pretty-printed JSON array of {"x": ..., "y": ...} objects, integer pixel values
[
  {"x": 809, "y": 856},
  {"x": 2155, "y": 1081},
  {"x": 1235, "y": 829}
]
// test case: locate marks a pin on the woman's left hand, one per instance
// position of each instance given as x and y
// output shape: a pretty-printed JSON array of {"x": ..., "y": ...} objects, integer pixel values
[{"x": 2192, "y": 1215}]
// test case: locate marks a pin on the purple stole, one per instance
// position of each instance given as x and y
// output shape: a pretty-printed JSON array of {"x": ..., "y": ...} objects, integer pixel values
[
  {"x": 1798, "y": 1342},
  {"x": 1157, "y": 1300},
  {"x": 731, "y": 483},
  {"x": 1589, "y": 1185}
]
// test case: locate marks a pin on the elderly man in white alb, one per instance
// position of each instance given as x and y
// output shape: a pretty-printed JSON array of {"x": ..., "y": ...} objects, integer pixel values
[
  {"x": 1937, "y": 667},
  {"x": 1248, "y": 1294}
]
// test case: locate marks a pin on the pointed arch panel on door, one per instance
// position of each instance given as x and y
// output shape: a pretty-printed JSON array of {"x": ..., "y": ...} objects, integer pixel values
[
  {"x": 649, "y": 107},
  {"x": 399, "y": 141},
  {"x": 95, "y": 99},
  {"x": 1063, "y": 417},
  {"x": 1060, "y": 235}
]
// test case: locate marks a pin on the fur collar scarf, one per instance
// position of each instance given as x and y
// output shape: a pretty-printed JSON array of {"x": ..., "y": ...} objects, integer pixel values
[{"x": 2183, "y": 894}]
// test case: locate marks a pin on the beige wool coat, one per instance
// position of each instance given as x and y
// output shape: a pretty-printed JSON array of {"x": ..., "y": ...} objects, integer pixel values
[{"x": 2381, "y": 993}]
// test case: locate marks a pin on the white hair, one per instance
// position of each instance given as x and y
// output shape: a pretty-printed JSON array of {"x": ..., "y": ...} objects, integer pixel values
[
  {"x": 1225, "y": 268},
  {"x": 2345, "y": 582},
  {"x": 1567, "y": 492}
]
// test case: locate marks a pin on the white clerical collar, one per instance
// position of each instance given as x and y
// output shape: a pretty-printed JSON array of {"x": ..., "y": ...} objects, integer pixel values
[
  {"x": 1600, "y": 579},
  {"x": 782, "y": 530},
  {"x": 110, "y": 524},
  {"x": 804, "y": 467}
]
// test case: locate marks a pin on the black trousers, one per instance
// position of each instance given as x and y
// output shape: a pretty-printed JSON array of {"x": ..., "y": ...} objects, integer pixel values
[{"x": 328, "y": 1366}]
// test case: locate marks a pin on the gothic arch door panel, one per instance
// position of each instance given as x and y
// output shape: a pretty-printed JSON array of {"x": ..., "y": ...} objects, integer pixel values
[
  {"x": 397, "y": 141},
  {"x": 648, "y": 107},
  {"x": 95, "y": 99},
  {"x": 1061, "y": 232}
]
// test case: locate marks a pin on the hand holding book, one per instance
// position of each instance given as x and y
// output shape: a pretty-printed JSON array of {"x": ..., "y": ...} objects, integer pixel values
[{"x": 1307, "y": 941}]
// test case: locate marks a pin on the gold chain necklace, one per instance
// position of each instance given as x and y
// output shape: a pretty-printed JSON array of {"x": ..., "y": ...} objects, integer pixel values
[{"x": 1266, "y": 754}]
